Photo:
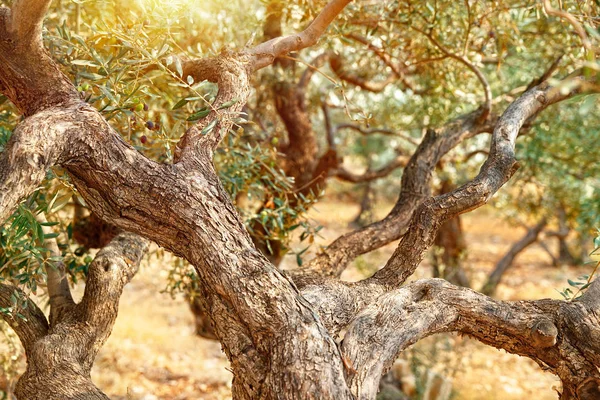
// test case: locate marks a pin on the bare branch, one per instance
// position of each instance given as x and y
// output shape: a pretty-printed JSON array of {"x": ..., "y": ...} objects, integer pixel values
[
  {"x": 337, "y": 65},
  {"x": 547, "y": 74},
  {"x": 370, "y": 175},
  {"x": 399, "y": 71},
  {"x": 27, "y": 20},
  {"x": 265, "y": 53},
  {"x": 497, "y": 169},
  {"x": 328, "y": 128},
  {"x": 61, "y": 300},
  {"x": 385, "y": 57},
  {"x": 32, "y": 326},
  {"x": 489, "y": 288},
  {"x": 311, "y": 69},
  {"x": 571, "y": 20}
]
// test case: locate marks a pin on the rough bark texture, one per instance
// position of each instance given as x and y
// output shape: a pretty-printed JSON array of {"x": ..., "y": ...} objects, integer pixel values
[
  {"x": 59, "y": 359},
  {"x": 279, "y": 339}
]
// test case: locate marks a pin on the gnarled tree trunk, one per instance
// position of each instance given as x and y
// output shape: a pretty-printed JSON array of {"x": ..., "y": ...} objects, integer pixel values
[{"x": 279, "y": 335}]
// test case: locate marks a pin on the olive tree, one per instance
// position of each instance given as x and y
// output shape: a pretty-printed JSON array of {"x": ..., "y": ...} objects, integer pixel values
[{"x": 293, "y": 334}]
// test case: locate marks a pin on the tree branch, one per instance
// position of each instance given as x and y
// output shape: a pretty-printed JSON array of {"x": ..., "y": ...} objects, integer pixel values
[
  {"x": 35, "y": 146},
  {"x": 114, "y": 266},
  {"x": 32, "y": 326},
  {"x": 311, "y": 69},
  {"x": 497, "y": 169},
  {"x": 414, "y": 190},
  {"x": 489, "y": 288},
  {"x": 579, "y": 29},
  {"x": 400, "y": 318},
  {"x": 265, "y": 53},
  {"x": 399, "y": 71},
  {"x": 61, "y": 300},
  {"x": 27, "y": 19},
  {"x": 371, "y": 131},
  {"x": 337, "y": 65},
  {"x": 231, "y": 75},
  {"x": 487, "y": 105},
  {"x": 370, "y": 175}
]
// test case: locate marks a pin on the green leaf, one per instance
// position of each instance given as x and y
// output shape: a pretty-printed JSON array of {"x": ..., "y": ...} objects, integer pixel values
[
  {"x": 178, "y": 67},
  {"x": 198, "y": 115},
  {"x": 209, "y": 127},
  {"x": 228, "y": 104},
  {"x": 180, "y": 104}
]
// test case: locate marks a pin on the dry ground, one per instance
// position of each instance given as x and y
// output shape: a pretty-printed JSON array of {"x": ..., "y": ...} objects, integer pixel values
[{"x": 154, "y": 354}]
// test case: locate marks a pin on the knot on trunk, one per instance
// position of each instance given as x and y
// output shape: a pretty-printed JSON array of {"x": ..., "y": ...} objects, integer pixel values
[
  {"x": 544, "y": 333},
  {"x": 589, "y": 389}
]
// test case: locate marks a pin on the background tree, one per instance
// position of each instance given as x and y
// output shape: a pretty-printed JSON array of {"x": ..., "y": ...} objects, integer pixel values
[{"x": 278, "y": 330}]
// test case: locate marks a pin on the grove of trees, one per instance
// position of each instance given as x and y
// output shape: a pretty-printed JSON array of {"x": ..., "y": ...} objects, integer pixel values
[{"x": 212, "y": 129}]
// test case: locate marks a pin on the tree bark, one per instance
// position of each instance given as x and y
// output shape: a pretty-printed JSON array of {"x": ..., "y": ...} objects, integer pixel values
[{"x": 60, "y": 357}]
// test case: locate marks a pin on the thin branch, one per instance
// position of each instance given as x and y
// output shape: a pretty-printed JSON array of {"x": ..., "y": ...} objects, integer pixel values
[
  {"x": 547, "y": 74},
  {"x": 311, "y": 69},
  {"x": 32, "y": 326},
  {"x": 61, "y": 300},
  {"x": 399, "y": 71},
  {"x": 370, "y": 175},
  {"x": 385, "y": 57},
  {"x": 530, "y": 237},
  {"x": 548, "y": 252},
  {"x": 337, "y": 65},
  {"x": 382, "y": 131},
  {"x": 265, "y": 53},
  {"x": 328, "y": 128},
  {"x": 473, "y": 153},
  {"x": 487, "y": 106},
  {"x": 571, "y": 20}
]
